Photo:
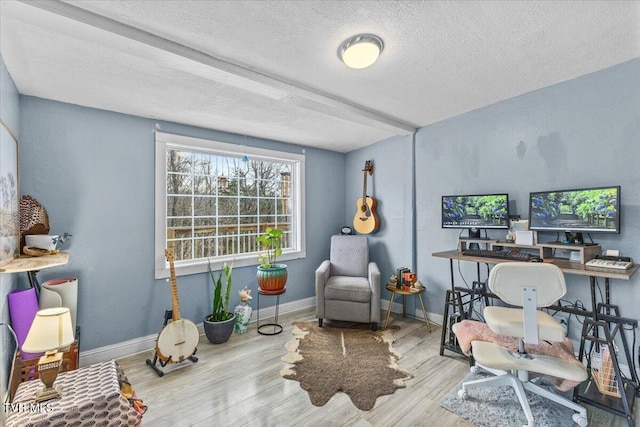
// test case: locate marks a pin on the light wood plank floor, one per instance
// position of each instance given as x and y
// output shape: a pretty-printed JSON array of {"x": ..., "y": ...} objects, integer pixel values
[{"x": 238, "y": 383}]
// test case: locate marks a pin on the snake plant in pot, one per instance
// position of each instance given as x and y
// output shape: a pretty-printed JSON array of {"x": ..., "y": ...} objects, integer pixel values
[
  {"x": 271, "y": 276},
  {"x": 218, "y": 325}
]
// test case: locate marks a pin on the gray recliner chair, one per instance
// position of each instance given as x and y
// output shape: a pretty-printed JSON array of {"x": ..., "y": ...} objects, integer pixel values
[{"x": 347, "y": 284}]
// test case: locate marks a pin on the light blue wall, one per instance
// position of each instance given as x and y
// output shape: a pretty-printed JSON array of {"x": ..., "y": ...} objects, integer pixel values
[
  {"x": 93, "y": 170},
  {"x": 579, "y": 133},
  {"x": 9, "y": 112},
  {"x": 392, "y": 186}
]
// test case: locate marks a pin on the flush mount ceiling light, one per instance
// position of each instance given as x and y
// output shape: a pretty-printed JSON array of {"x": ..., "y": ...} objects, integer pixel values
[{"x": 360, "y": 51}]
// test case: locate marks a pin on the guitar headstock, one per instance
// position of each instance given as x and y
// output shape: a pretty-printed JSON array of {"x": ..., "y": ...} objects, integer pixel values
[
  {"x": 170, "y": 254},
  {"x": 368, "y": 167}
]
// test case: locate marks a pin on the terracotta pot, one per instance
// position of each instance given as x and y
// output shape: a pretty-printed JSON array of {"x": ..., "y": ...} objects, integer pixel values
[{"x": 272, "y": 279}]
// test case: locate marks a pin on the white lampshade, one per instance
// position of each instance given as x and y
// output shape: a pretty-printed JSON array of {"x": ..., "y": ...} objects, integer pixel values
[
  {"x": 51, "y": 329},
  {"x": 360, "y": 51}
]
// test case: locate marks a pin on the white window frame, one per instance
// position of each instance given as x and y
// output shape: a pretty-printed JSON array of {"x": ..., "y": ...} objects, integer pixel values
[{"x": 167, "y": 140}]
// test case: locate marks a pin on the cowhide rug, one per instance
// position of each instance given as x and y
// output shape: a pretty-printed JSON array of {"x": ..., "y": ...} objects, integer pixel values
[{"x": 353, "y": 360}]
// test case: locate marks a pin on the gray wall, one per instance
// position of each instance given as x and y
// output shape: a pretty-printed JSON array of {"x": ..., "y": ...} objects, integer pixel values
[
  {"x": 93, "y": 170},
  {"x": 578, "y": 133},
  {"x": 9, "y": 112}
]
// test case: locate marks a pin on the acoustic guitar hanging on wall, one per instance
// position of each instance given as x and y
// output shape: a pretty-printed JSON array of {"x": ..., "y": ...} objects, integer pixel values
[{"x": 366, "y": 220}]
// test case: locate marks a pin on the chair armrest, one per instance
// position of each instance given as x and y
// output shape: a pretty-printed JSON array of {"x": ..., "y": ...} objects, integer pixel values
[
  {"x": 374, "y": 282},
  {"x": 322, "y": 275}
]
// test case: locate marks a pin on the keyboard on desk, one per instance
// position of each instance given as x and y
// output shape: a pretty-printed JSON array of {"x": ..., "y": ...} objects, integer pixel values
[
  {"x": 486, "y": 253},
  {"x": 618, "y": 263}
]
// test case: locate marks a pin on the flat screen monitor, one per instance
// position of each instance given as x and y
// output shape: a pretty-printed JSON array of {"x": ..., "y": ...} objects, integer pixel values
[
  {"x": 577, "y": 211},
  {"x": 475, "y": 212}
]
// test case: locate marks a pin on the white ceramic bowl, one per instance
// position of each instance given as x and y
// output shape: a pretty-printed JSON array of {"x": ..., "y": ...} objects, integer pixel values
[{"x": 40, "y": 241}]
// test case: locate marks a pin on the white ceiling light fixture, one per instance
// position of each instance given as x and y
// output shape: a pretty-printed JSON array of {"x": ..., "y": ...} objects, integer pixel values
[{"x": 360, "y": 51}]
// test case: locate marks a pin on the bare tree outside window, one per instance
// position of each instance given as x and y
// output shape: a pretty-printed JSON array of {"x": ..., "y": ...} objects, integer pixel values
[
  {"x": 213, "y": 199},
  {"x": 218, "y": 205}
]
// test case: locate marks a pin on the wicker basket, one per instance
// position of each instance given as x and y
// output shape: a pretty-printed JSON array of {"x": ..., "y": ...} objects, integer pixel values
[
  {"x": 603, "y": 373},
  {"x": 33, "y": 218}
]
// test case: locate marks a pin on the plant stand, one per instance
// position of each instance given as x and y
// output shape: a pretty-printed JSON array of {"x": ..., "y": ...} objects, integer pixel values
[{"x": 277, "y": 328}]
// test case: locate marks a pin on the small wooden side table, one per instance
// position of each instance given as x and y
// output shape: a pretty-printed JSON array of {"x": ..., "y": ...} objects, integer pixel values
[{"x": 392, "y": 288}]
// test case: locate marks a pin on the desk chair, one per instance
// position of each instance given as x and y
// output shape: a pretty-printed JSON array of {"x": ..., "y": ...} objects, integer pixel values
[
  {"x": 347, "y": 284},
  {"x": 526, "y": 285}
]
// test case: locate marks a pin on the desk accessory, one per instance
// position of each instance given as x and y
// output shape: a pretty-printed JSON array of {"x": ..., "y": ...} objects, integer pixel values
[
  {"x": 525, "y": 237},
  {"x": 608, "y": 261},
  {"x": 50, "y": 331}
]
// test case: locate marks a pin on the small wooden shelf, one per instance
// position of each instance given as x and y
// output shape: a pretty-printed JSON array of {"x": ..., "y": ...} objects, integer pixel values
[
  {"x": 463, "y": 242},
  {"x": 587, "y": 252},
  {"x": 28, "y": 263},
  {"x": 501, "y": 245}
]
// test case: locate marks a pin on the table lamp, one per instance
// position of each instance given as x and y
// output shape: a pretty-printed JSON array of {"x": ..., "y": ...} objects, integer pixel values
[{"x": 51, "y": 330}]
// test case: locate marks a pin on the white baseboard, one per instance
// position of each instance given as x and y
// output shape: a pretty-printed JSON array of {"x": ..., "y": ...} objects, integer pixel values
[{"x": 148, "y": 343}]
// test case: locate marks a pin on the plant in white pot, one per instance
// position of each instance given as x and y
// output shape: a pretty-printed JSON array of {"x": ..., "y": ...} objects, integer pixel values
[
  {"x": 271, "y": 276},
  {"x": 218, "y": 325}
]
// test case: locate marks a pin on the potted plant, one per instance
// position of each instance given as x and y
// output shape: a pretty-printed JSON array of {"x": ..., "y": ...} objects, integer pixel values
[
  {"x": 218, "y": 326},
  {"x": 271, "y": 276}
]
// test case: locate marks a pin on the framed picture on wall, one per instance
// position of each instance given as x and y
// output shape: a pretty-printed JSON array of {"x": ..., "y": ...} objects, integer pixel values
[{"x": 9, "y": 199}]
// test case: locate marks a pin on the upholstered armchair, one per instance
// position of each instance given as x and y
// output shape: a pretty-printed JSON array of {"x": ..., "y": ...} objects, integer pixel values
[{"x": 347, "y": 284}]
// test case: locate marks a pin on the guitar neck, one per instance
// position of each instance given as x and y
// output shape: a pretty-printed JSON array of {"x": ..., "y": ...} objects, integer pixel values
[
  {"x": 175, "y": 304},
  {"x": 364, "y": 187}
]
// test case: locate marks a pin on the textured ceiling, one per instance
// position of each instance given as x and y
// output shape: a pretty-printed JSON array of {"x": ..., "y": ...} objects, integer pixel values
[{"x": 270, "y": 69}]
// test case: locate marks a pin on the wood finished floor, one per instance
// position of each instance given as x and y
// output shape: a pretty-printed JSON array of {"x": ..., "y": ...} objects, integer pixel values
[{"x": 238, "y": 383}]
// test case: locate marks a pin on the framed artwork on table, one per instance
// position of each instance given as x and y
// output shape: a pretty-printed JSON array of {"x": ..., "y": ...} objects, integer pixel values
[{"x": 9, "y": 196}]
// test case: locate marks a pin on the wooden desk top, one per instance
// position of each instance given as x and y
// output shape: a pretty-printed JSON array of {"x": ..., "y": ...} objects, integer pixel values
[
  {"x": 33, "y": 263},
  {"x": 566, "y": 266}
]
